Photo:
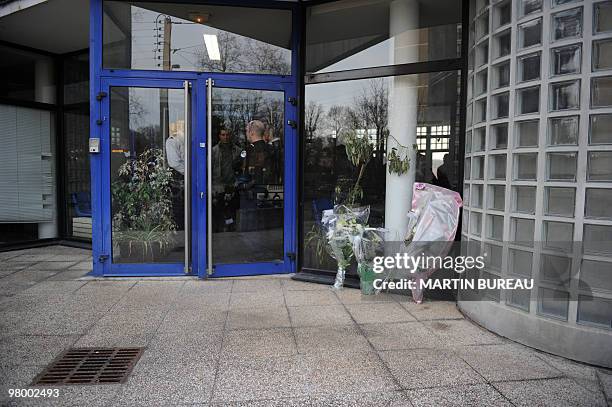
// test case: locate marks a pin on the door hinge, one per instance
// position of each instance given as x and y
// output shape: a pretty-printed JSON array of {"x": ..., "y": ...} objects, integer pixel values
[
  {"x": 291, "y": 256},
  {"x": 292, "y": 100},
  {"x": 292, "y": 123},
  {"x": 101, "y": 95},
  {"x": 102, "y": 258}
]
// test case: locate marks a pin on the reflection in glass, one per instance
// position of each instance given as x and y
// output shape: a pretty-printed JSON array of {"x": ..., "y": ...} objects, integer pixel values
[
  {"x": 248, "y": 175},
  {"x": 147, "y": 130},
  {"x": 565, "y": 95},
  {"x": 601, "y": 129},
  {"x": 603, "y": 17},
  {"x": 563, "y": 130},
  {"x": 529, "y": 67},
  {"x": 528, "y": 100},
  {"x": 567, "y": 24},
  {"x": 566, "y": 60},
  {"x": 26, "y": 75},
  {"x": 601, "y": 91},
  {"x": 192, "y": 37},
  {"x": 602, "y": 54},
  {"x": 530, "y": 33},
  {"x": 560, "y": 201}
]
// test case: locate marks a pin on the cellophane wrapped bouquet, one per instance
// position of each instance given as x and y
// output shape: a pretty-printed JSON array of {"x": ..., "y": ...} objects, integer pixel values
[
  {"x": 342, "y": 224},
  {"x": 367, "y": 246}
]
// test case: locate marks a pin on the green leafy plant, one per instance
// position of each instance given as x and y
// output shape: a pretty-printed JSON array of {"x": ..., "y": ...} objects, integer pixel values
[
  {"x": 142, "y": 203},
  {"x": 359, "y": 152}
]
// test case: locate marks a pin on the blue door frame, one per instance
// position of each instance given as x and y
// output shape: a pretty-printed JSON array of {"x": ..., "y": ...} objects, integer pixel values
[{"x": 100, "y": 82}]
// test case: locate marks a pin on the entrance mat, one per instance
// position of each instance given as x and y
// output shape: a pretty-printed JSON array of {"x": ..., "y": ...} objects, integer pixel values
[{"x": 81, "y": 366}]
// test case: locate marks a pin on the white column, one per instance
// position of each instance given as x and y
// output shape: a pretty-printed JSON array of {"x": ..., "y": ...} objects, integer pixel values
[{"x": 404, "y": 19}]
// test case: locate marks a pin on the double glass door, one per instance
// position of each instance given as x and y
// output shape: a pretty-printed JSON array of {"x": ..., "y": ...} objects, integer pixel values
[{"x": 197, "y": 178}]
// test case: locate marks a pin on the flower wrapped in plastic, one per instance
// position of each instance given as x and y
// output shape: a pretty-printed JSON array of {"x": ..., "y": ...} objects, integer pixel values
[
  {"x": 366, "y": 247},
  {"x": 342, "y": 224}
]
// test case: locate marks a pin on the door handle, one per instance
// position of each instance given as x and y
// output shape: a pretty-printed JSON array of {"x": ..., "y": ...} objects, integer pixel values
[{"x": 209, "y": 228}]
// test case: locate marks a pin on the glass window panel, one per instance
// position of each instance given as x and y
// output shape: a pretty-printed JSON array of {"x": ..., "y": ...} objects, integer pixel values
[
  {"x": 553, "y": 303},
  {"x": 482, "y": 54},
  {"x": 567, "y": 24},
  {"x": 561, "y": 166},
  {"x": 503, "y": 13},
  {"x": 147, "y": 217},
  {"x": 478, "y": 139},
  {"x": 600, "y": 129},
  {"x": 467, "y": 170},
  {"x": 476, "y": 196},
  {"x": 558, "y": 235},
  {"x": 603, "y": 17},
  {"x": 598, "y": 203},
  {"x": 520, "y": 263},
  {"x": 602, "y": 54},
  {"x": 482, "y": 25},
  {"x": 526, "y": 166},
  {"x": 480, "y": 110},
  {"x": 501, "y": 105},
  {"x": 595, "y": 311},
  {"x": 502, "y": 74},
  {"x": 563, "y": 130},
  {"x": 597, "y": 239},
  {"x": 497, "y": 197},
  {"x": 480, "y": 84},
  {"x": 566, "y": 60},
  {"x": 523, "y": 231},
  {"x": 502, "y": 44},
  {"x": 209, "y": 38},
  {"x": 530, "y": 33},
  {"x": 478, "y": 168},
  {"x": 565, "y": 95},
  {"x": 529, "y": 6},
  {"x": 76, "y": 78},
  {"x": 527, "y": 133},
  {"x": 560, "y": 201},
  {"x": 518, "y": 299},
  {"x": 476, "y": 223},
  {"x": 26, "y": 76},
  {"x": 529, "y": 67},
  {"x": 465, "y": 223},
  {"x": 562, "y": 2},
  {"x": 601, "y": 91},
  {"x": 493, "y": 256},
  {"x": 528, "y": 100},
  {"x": 349, "y": 34},
  {"x": 496, "y": 227},
  {"x": 600, "y": 166},
  {"x": 596, "y": 274},
  {"x": 466, "y": 194},
  {"x": 555, "y": 269},
  {"x": 499, "y": 136},
  {"x": 497, "y": 166},
  {"x": 524, "y": 199}
]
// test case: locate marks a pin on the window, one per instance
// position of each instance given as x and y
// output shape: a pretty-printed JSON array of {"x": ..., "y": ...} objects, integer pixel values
[
  {"x": 600, "y": 166},
  {"x": 528, "y": 100},
  {"x": 347, "y": 34},
  {"x": 603, "y": 17},
  {"x": 595, "y": 311},
  {"x": 597, "y": 239},
  {"x": 560, "y": 201},
  {"x": 500, "y": 102},
  {"x": 529, "y": 67},
  {"x": 26, "y": 76},
  {"x": 566, "y": 60},
  {"x": 478, "y": 168},
  {"x": 565, "y": 95},
  {"x": 563, "y": 130},
  {"x": 497, "y": 166},
  {"x": 562, "y": 2},
  {"x": 503, "y": 13},
  {"x": 600, "y": 129},
  {"x": 526, "y": 166},
  {"x": 502, "y": 44},
  {"x": 598, "y": 203},
  {"x": 602, "y": 54},
  {"x": 524, "y": 199},
  {"x": 497, "y": 197},
  {"x": 558, "y": 235},
  {"x": 523, "y": 231},
  {"x": 530, "y": 33},
  {"x": 499, "y": 136},
  {"x": 478, "y": 139},
  {"x": 529, "y": 6},
  {"x": 480, "y": 84},
  {"x": 495, "y": 227},
  {"x": 561, "y": 166},
  {"x": 482, "y": 26},
  {"x": 567, "y": 24},
  {"x": 476, "y": 196},
  {"x": 527, "y": 133},
  {"x": 601, "y": 91},
  {"x": 196, "y": 42},
  {"x": 553, "y": 303},
  {"x": 596, "y": 274},
  {"x": 502, "y": 74}
]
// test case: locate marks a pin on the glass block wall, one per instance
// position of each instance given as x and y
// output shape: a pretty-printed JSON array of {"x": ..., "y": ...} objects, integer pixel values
[{"x": 538, "y": 156}]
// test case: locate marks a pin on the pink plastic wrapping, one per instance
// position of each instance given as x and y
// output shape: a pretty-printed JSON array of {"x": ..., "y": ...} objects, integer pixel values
[{"x": 434, "y": 218}]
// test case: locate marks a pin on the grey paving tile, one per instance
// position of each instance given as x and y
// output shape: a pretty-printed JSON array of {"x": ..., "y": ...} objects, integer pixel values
[
  {"x": 32, "y": 257},
  {"x": 70, "y": 257},
  {"x": 11, "y": 288},
  {"x": 379, "y": 313},
  {"x": 386, "y": 399},
  {"x": 12, "y": 266},
  {"x": 549, "y": 392},
  {"x": 582, "y": 374},
  {"x": 259, "y": 343},
  {"x": 109, "y": 338},
  {"x": 258, "y": 318},
  {"x": 473, "y": 395},
  {"x": 244, "y": 379},
  {"x": 179, "y": 346},
  {"x": 169, "y": 384},
  {"x": 354, "y": 296},
  {"x": 462, "y": 332},
  {"x": 433, "y": 310},
  {"x": 69, "y": 275},
  {"x": 279, "y": 402},
  {"x": 51, "y": 265},
  {"x": 425, "y": 368},
  {"x": 205, "y": 300},
  {"x": 32, "y": 349},
  {"x": 16, "y": 377},
  {"x": 256, "y": 285},
  {"x": 323, "y": 315},
  {"x": 210, "y": 286},
  {"x": 51, "y": 287},
  {"x": 82, "y": 265},
  {"x": 401, "y": 335},
  {"x": 339, "y": 374},
  {"x": 294, "y": 285},
  {"x": 605, "y": 378},
  {"x": 257, "y": 299},
  {"x": 193, "y": 319},
  {"x": 313, "y": 297},
  {"x": 331, "y": 339},
  {"x": 58, "y": 323}
]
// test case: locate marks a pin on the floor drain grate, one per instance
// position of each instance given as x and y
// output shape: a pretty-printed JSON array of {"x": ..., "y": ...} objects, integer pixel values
[{"x": 90, "y": 366}]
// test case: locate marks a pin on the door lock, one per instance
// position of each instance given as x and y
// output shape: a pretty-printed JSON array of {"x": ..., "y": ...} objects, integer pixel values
[{"x": 292, "y": 123}]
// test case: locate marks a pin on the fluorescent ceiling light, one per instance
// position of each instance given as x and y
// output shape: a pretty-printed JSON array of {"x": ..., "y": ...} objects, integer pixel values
[{"x": 212, "y": 47}]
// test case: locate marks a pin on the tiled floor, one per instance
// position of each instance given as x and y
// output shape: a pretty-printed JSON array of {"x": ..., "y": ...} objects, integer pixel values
[{"x": 266, "y": 342}]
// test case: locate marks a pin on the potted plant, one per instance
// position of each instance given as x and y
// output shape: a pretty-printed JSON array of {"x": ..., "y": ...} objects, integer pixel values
[{"x": 143, "y": 227}]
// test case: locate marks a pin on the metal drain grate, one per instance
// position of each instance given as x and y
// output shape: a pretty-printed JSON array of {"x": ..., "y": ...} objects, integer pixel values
[{"x": 90, "y": 366}]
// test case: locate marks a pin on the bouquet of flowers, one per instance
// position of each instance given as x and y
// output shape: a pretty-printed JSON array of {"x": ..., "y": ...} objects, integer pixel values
[
  {"x": 367, "y": 246},
  {"x": 342, "y": 224}
]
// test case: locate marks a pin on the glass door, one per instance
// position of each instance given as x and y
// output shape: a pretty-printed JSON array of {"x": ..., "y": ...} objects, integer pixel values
[
  {"x": 248, "y": 180},
  {"x": 146, "y": 139}
]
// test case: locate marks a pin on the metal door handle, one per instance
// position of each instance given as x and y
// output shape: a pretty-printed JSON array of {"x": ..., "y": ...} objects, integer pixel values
[
  {"x": 187, "y": 180},
  {"x": 209, "y": 229}
]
